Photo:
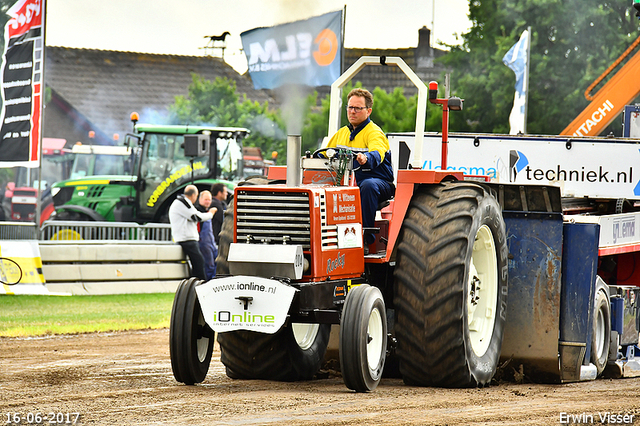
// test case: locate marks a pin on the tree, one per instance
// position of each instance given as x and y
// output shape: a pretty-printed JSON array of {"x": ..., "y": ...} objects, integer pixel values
[
  {"x": 393, "y": 112},
  {"x": 573, "y": 42},
  {"x": 217, "y": 103}
]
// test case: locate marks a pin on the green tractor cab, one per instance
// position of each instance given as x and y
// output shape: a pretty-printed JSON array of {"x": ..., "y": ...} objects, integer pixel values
[{"x": 161, "y": 160}]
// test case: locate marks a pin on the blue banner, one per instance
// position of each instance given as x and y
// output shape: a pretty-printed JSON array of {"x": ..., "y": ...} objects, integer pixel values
[{"x": 305, "y": 52}]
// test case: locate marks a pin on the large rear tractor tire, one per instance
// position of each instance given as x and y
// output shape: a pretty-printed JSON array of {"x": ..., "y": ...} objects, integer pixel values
[
  {"x": 601, "y": 337},
  {"x": 451, "y": 286},
  {"x": 294, "y": 353},
  {"x": 190, "y": 338},
  {"x": 363, "y": 338}
]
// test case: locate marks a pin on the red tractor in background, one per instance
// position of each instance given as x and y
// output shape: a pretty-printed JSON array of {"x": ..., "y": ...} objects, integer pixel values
[
  {"x": 254, "y": 162},
  {"x": 20, "y": 200}
]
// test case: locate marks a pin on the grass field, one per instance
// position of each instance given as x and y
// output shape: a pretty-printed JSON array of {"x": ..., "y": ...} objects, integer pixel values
[{"x": 44, "y": 315}]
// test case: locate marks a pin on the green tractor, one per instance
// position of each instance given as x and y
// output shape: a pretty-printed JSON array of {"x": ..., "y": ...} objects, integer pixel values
[{"x": 163, "y": 160}]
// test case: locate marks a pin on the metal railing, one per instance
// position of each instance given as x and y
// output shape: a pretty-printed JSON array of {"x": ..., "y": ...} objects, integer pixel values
[
  {"x": 128, "y": 231},
  {"x": 72, "y": 230},
  {"x": 18, "y": 231}
]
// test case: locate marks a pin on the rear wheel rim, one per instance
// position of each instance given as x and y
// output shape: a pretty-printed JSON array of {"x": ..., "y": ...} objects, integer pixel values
[
  {"x": 305, "y": 334},
  {"x": 482, "y": 291}
]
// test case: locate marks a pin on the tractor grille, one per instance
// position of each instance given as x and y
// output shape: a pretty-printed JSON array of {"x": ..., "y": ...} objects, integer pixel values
[
  {"x": 24, "y": 209},
  {"x": 266, "y": 217},
  {"x": 95, "y": 191},
  {"x": 24, "y": 193}
]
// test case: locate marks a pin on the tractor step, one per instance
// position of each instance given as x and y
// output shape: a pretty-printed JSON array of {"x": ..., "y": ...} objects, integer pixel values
[{"x": 378, "y": 255}]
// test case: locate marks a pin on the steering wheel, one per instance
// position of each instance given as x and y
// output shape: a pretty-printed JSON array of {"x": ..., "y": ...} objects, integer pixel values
[
  {"x": 317, "y": 152},
  {"x": 337, "y": 153}
]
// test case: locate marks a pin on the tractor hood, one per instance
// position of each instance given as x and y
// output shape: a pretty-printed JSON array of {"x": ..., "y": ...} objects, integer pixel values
[{"x": 97, "y": 180}]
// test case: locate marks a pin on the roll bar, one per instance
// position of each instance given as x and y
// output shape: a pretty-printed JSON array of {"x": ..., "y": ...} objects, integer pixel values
[{"x": 336, "y": 98}]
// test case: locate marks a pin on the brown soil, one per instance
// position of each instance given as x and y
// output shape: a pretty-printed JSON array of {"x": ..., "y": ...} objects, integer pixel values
[{"x": 125, "y": 378}]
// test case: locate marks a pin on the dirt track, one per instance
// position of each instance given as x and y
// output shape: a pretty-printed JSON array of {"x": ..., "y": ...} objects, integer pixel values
[{"x": 125, "y": 378}]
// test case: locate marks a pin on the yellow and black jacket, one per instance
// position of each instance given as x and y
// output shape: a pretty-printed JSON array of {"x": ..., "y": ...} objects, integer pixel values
[{"x": 369, "y": 139}]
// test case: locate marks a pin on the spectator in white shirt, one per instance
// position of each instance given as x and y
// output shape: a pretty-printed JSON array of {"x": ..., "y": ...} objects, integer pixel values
[{"x": 184, "y": 218}]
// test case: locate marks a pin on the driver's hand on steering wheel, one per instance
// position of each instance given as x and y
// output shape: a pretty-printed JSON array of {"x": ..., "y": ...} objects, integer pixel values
[{"x": 361, "y": 158}]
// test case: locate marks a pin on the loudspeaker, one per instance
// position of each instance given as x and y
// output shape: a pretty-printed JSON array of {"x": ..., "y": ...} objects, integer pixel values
[{"x": 196, "y": 145}]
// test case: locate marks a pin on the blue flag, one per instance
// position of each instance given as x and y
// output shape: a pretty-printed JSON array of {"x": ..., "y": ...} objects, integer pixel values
[
  {"x": 516, "y": 59},
  {"x": 305, "y": 52}
]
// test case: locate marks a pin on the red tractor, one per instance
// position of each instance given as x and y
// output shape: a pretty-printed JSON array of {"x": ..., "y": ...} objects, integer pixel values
[
  {"x": 432, "y": 291},
  {"x": 21, "y": 199}
]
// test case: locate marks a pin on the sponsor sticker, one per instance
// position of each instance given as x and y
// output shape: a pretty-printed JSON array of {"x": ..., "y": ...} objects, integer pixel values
[
  {"x": 349, "y": 235},
  {"x": 245, "y": 303}
]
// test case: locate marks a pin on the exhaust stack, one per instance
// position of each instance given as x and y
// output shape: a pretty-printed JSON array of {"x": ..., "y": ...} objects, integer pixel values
[{"x": 294, "y": 151}]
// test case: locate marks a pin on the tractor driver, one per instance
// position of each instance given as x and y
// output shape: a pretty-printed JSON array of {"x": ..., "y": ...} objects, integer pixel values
[{"x": 362, "y": 136}]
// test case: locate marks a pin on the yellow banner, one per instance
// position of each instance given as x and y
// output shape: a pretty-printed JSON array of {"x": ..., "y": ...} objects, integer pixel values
[{"x": 26, "y": 268}]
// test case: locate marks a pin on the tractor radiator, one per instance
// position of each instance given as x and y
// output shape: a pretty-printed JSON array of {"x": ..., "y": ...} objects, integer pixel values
[{"x": 266, "y": 217}]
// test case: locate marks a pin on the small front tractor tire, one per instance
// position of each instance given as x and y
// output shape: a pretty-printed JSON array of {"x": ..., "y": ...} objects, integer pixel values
[
  {"x": 190, "y": 338},
  {"x": 363, "y": 338},
  {"x": 451, "y": 286}
]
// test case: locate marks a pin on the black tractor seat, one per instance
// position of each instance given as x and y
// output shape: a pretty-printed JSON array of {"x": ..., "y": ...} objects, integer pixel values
[{"x": 383, "y": 204}]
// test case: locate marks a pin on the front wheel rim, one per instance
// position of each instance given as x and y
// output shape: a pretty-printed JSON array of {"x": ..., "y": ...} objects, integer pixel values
[
  {"x": 202, "y": 342},
  {"x": 375, "y": 336},
  {"x": 482, "y": 291}
]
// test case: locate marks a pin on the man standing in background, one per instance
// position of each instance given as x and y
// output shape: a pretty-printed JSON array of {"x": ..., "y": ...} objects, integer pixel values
[
  {"x": 220, "y": 194},
  {"x": 207, "y": 243},
  {"x": 184, "y": 217}
]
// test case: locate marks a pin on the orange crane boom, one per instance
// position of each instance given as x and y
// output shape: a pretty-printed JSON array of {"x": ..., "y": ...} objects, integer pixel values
[{"x": 611, "y": 99}]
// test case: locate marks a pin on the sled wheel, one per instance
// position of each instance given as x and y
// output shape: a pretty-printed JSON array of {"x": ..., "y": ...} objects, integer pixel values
[
  {"x": 451, "y": 286},
  {"x": 601, "y": 340},
  {"x": 363, "y": 338},
  {"x": 190, "y": 338}
]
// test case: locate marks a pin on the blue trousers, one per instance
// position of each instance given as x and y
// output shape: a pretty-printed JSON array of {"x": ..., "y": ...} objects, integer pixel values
[
  {"x": 372, "y": 192},
  {"x": 209, "y": 251}
]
